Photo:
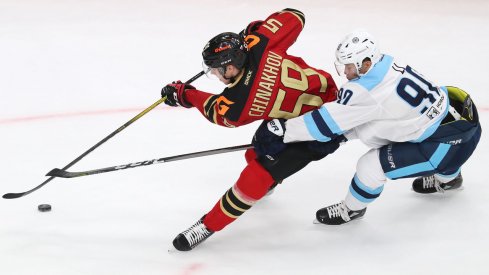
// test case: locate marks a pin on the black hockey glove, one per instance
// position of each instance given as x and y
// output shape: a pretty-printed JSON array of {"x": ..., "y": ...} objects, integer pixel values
[
  {"x": 326, "y": 148},
  {"x": 175, "y": 92},
  {"x": 269, "y": 137}
]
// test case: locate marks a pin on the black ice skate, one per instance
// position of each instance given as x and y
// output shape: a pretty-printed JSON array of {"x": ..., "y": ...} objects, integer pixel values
[
  {"x": 430, "y": 184},
  {"x": 338, "y": 214},
  {"x": 193, "y": 236}
]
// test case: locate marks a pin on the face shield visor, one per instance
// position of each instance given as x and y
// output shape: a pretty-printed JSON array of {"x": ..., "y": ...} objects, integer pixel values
[
  {"x": 340, "y": 68},
  {"x": 212, "y": 73},
  {"x": 348, "y": 70}
]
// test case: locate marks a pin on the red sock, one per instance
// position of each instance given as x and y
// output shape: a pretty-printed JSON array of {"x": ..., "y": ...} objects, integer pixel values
[{"x": 252, "y": 185}]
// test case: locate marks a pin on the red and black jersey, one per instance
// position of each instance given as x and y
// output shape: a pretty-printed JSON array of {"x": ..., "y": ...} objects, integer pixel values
[{"x": 272, "y": 84}]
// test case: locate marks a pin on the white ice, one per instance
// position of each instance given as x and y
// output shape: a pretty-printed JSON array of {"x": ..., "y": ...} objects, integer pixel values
[{"x": 72, "y": 72}]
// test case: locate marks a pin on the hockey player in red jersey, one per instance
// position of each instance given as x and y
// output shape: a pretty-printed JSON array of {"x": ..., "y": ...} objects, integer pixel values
[{"x": 264, "y": 82}]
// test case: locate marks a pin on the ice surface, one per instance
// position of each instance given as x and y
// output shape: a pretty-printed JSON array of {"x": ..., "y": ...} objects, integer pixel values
[{"x": 71, "y": 72}]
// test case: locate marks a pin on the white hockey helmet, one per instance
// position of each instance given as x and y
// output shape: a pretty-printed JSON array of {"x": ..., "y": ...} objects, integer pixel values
[{"x": 354, "y": 48}]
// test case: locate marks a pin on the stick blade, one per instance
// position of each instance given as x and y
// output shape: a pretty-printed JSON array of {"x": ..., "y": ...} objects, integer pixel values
[
  {"x": 56, "y": 172},
  {"x": 12, "y": 195}
]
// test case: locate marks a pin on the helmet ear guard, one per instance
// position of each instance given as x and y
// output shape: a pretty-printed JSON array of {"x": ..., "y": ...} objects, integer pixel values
[{"x": 355, "y": 48}]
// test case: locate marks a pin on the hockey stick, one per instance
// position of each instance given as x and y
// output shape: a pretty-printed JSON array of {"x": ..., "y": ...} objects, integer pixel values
[
  {"x": 18, "y": 195},
  {"x": 56, "y": 172}
]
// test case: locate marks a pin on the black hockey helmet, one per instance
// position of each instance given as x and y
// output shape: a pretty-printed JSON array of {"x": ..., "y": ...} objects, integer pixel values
[{"x": 227, "y": 48}]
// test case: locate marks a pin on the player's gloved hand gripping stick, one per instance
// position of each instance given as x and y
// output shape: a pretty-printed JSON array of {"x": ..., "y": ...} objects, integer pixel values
[{"x": 18, "y": 195}]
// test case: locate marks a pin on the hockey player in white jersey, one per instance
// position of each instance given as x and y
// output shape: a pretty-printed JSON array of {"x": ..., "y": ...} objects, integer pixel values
[{"x": 415, "y": 129}]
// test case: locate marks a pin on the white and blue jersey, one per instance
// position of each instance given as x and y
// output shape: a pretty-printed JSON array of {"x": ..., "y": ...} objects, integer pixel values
[
  {"x": 391, "y": 103},
  {"x": 403, "y": 117}
]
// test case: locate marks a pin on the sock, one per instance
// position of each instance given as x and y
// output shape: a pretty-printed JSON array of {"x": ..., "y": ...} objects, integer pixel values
[{"x": 251, "y": 186}]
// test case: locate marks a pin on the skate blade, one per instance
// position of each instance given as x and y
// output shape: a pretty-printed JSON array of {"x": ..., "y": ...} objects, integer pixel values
[
  {"x": 457, "y": 189},
  {"x": 173, "y": 250},
  {"x": 315, "y": 221}
]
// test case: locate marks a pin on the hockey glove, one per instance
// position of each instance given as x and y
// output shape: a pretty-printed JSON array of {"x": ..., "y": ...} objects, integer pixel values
[
  {"x": 175, "y": 92},
  {"x": 269, "y": 138},
  {"x": 326, "y": 148}
]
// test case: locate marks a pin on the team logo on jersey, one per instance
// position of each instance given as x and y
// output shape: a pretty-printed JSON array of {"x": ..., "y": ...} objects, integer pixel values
[
  {"x": 432, "y": 112},
  {"x": 251, "y": 40},
  {"x": 223, "y": 105}
]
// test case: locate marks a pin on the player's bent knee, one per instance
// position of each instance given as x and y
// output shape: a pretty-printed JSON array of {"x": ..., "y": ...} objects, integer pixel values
[{"x": 369, "y": 169}]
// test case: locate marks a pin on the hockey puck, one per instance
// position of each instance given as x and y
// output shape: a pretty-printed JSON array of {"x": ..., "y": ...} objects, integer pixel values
[{"x": 44, "y": 207}]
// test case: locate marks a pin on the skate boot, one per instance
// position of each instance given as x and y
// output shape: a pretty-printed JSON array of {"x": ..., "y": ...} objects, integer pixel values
[
  {"x": 193, "y": 236},
  {"x": 338, "y": 214},
  {"x": 430, "y": 184}
]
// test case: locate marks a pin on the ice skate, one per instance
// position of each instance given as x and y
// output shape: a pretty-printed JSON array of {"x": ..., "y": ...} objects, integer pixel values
[
  {"x": 192, "y": 237},
  {"x": 430, "y": 184},
  {"x": 337, "y": 214}
]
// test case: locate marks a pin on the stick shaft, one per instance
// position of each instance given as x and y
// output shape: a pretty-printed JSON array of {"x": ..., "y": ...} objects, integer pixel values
[
  {"x": 66, "y": 174},
  {"x": 18, "y": 195}
]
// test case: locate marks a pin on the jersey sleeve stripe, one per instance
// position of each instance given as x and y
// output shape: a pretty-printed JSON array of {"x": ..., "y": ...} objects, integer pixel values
[
  {"x": 321, "y": 125},
  {"x": 314, "y": 129},
  {"x": 209, "y": 105},
  {"x": 331, "y": 124},
  {"x": 297, "y": 13}
]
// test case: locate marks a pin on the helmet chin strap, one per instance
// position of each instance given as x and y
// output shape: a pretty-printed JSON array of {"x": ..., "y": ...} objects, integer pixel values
[{"x": 231, "y": 79}]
